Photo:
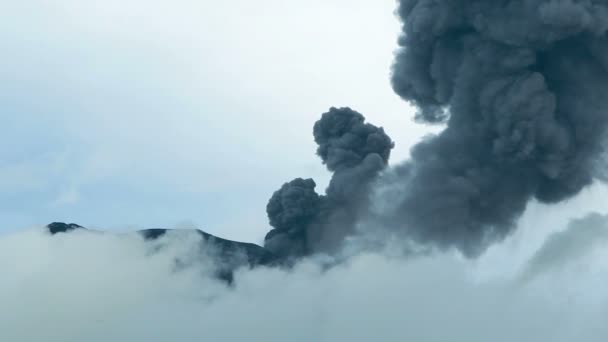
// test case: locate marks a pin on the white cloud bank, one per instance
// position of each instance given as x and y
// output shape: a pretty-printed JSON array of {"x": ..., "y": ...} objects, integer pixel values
[{"x": 101, "y": 287}]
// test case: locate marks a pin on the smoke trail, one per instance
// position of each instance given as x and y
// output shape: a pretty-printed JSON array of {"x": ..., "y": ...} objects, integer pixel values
[
  {"x": 522, "y": 86},
  {"x": 579, "y": 239}
]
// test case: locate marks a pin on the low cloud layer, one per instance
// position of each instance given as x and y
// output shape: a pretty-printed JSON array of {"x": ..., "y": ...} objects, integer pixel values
[{"x": 87, "y": 286}]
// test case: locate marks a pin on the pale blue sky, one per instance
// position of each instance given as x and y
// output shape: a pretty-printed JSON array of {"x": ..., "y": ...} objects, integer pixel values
[
  {"x": 139, "y": 113},
  {"x": 131, "y": 113}
]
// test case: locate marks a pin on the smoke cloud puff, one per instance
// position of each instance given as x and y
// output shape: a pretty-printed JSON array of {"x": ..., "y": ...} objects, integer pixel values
[
  {"x": 304, "y": 222},
  {"x": 290, "y": 210},
  {"x": 86, "y": 286},
  {"x": 522, "y": 87},
  {"x": 345, "y": 140}
]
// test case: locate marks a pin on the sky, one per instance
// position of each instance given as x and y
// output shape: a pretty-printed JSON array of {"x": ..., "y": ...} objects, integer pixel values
[{"x": 129, "y": 114}]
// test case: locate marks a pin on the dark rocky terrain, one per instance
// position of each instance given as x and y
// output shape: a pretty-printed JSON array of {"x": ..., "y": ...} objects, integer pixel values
[{"x": 229, "y": 255}]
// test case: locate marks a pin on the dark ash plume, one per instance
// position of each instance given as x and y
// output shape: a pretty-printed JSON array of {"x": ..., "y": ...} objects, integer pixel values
[
  {"x": 522, "y": 86},
  {"x": 345, "y": 140},
  {"x": 291, "y": 210},
  {"x": 304, "y": 222}
]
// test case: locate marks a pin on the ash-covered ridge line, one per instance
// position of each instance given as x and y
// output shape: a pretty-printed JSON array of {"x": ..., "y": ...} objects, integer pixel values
[{"x": 228, "y": 254}]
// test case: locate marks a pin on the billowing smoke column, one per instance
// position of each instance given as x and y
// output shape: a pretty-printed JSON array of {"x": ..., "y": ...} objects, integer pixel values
[
  {"x": 305, "y": 222},
  {"x": 522, "y": 87}
]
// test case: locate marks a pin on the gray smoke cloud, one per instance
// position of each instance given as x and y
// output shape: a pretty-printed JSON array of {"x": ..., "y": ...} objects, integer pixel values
[
  {"x": 305, "y": 222},
  {"x": 522, "y": 88},
  {"x": 291, "y": 210}
]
